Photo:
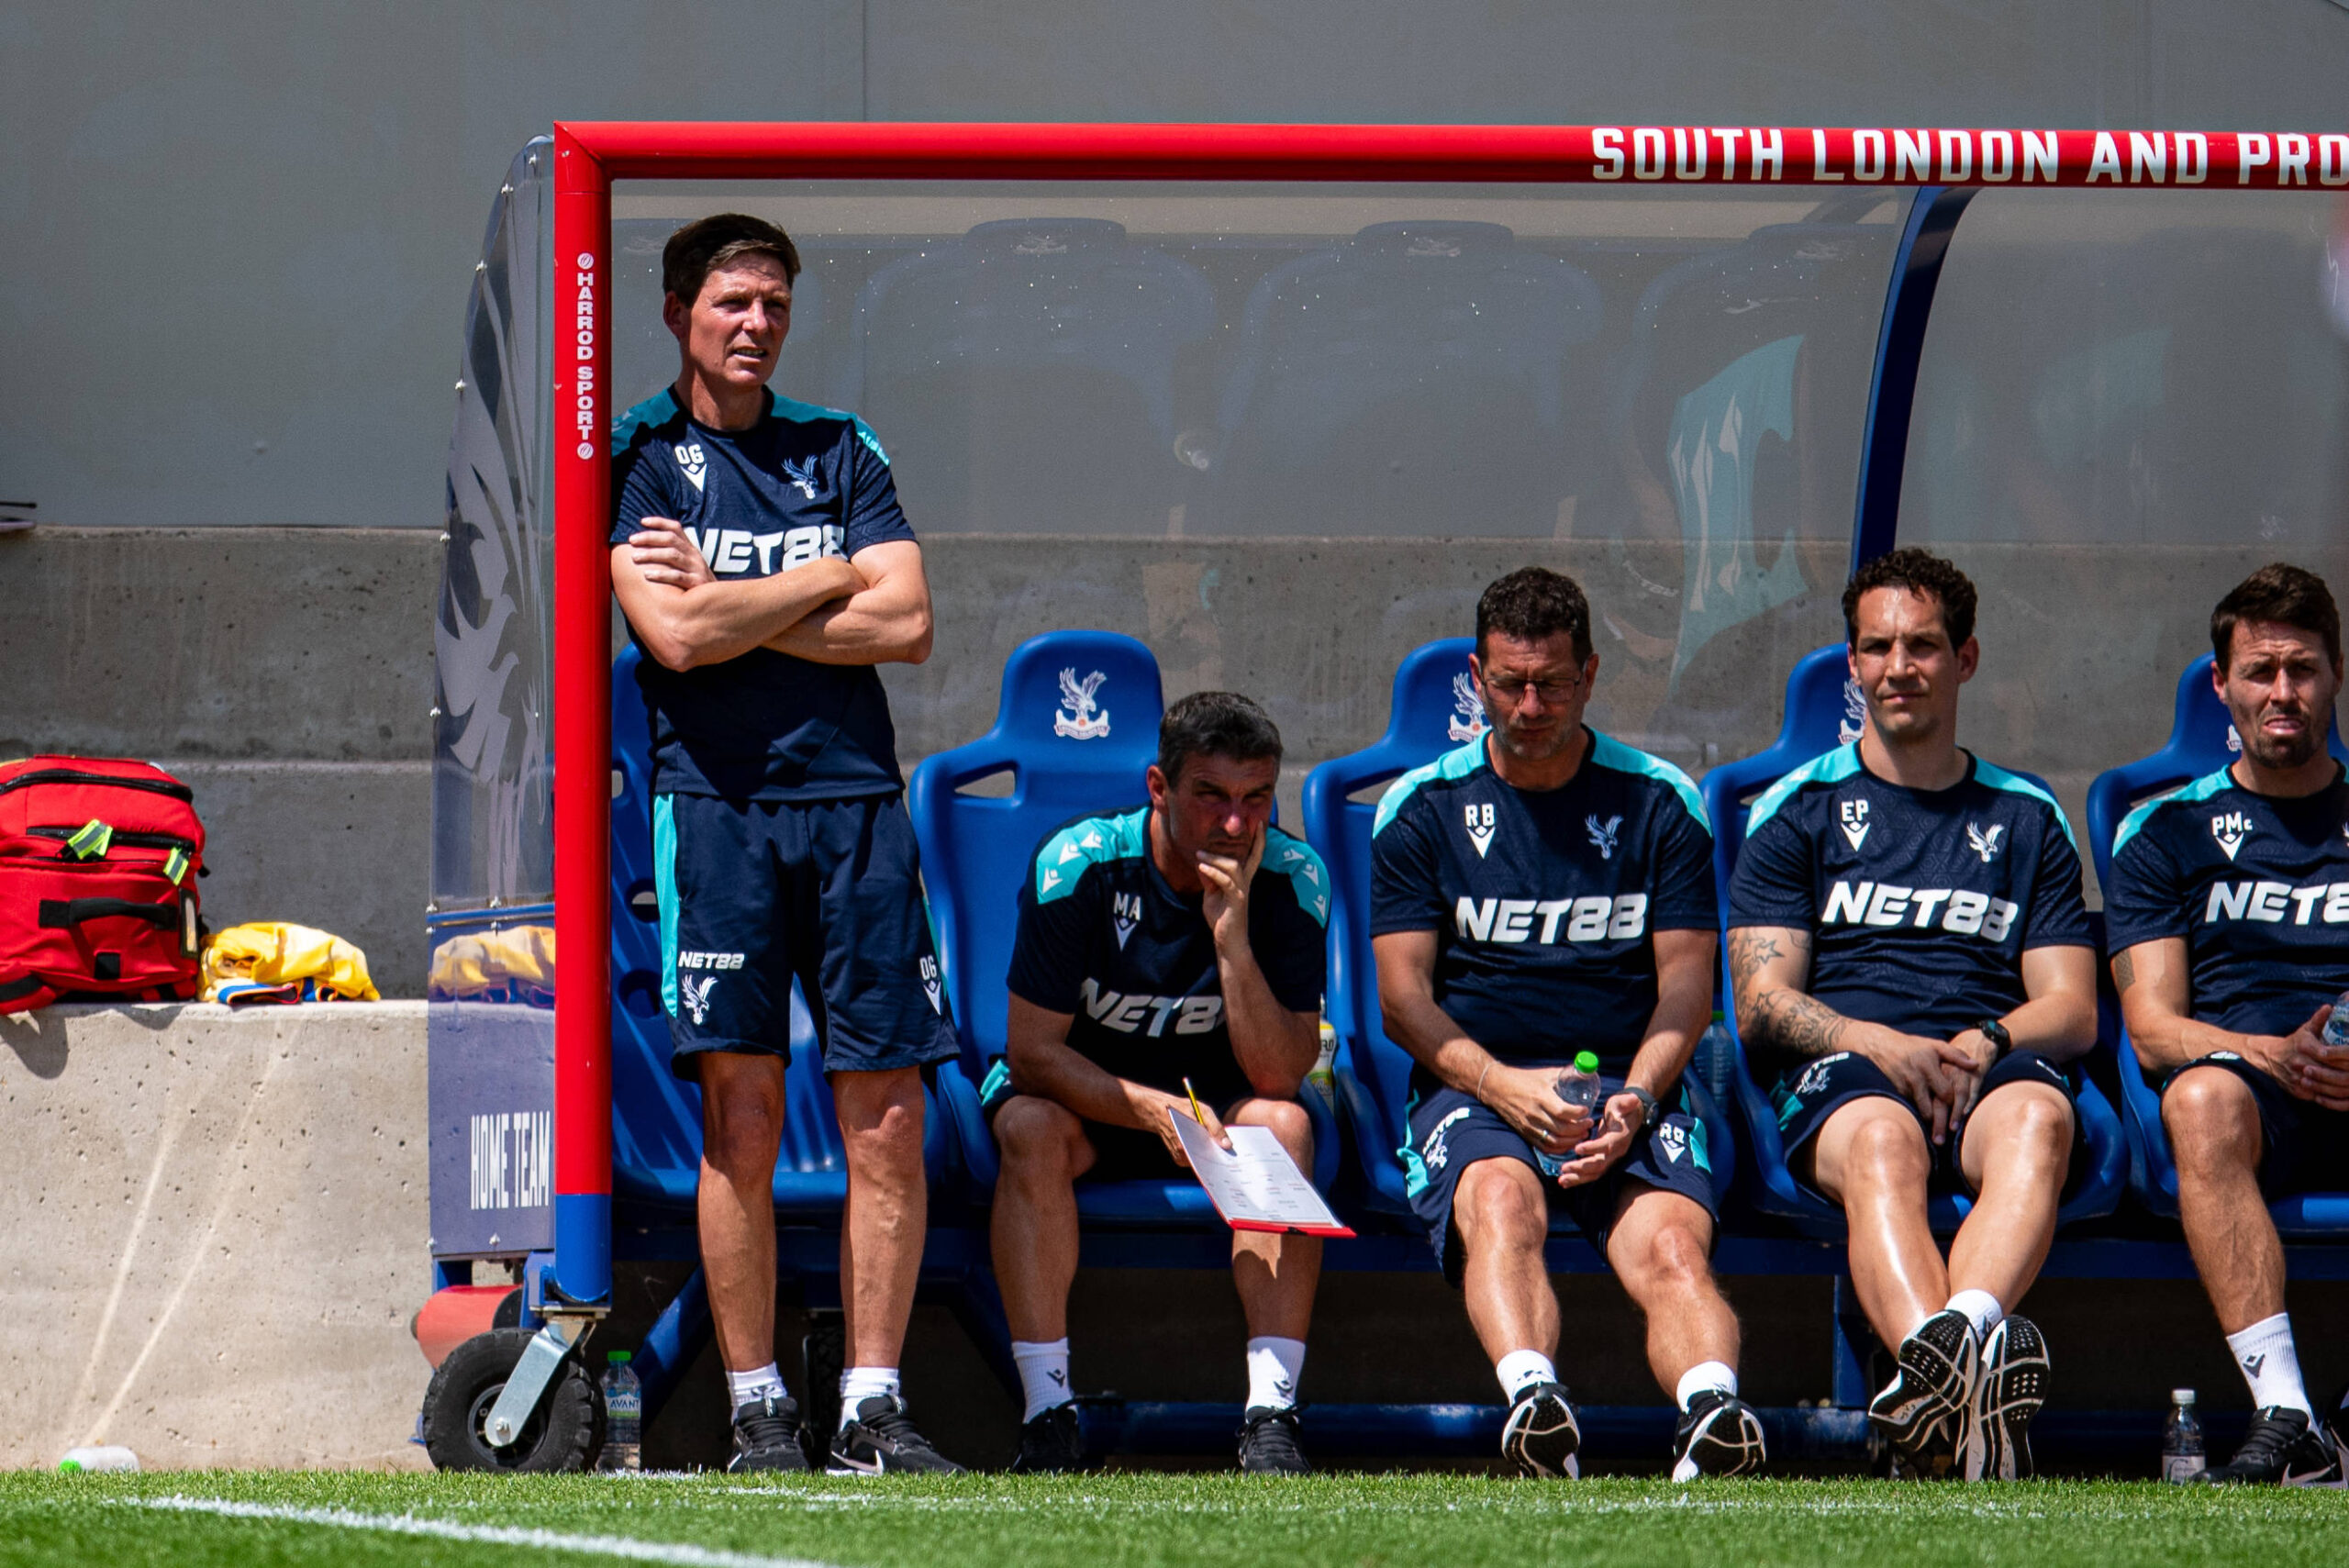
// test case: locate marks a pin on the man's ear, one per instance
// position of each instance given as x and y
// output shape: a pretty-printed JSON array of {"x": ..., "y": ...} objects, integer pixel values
[
  {"x": 676, "y": 315},
  {"x": 1969, "y": 658},
  {"x": 1155, "y": 781}
]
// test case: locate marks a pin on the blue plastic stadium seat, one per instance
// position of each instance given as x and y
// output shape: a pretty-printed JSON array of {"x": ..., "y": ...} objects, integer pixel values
[
  {"x": 656, "y": 1118},
  {"x": 1824, "y": 709},
  {"x": 976, "y": 848},
  {"x": 1435, "y": 708},
  {"x": 2202, "y": 739}
]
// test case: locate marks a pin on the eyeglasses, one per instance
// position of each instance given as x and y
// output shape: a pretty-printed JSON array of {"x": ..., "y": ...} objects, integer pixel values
[{"x": 1513, "y": 691}]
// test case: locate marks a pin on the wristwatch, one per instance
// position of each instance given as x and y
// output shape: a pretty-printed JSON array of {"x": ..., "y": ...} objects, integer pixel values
[
  {"x": 2000, "y": 1041},
  {"x": 1647, "y": 1107}
]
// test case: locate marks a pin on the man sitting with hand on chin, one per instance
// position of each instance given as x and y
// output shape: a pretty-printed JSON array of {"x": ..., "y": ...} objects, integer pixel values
[{"x": 1174, "y": 948}]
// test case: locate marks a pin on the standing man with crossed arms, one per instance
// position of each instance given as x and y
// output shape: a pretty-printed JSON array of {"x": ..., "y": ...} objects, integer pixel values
[
  {"x": 760, "y": 555},
  {"x": 1539, "y": 892},
  {"x": 2228, "y": 917},
  {"x": 1913, "y": 966}
]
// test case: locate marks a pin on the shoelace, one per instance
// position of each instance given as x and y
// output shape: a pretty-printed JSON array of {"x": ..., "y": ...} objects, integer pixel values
[
  {"x": 897, "y": 1428},
  {"x": 1276, "y": 1432},
  {"x": 2268, "y": 1441},
  {"x": 765, "y": 1429}
]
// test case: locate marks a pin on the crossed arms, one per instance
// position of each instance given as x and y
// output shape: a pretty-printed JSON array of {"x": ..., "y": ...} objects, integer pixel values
[
  {"x": 872, "y": 609},
  {"x": 1770, "y": 967},
  {"x": 2153, "y": 979},
  {"x": 1526, "y": 1097}
]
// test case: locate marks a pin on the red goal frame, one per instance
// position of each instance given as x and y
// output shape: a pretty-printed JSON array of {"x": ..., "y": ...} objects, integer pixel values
[{"x": 590, "y": 155}]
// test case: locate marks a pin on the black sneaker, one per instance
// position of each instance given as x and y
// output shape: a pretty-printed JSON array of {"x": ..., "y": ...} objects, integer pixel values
[
  {"x": 766, "y": 1436},
  {"x": 2283, "y": 1448},
  {"x": 1718, "y": 1435},
  {"x": 1924, "y": 1410},
  {"x": 1268, "y": 1443},
  {"x": 880, "y": 1440},
  {"x": 1539, "y": 1436},
  {"x": 1051, "y": 1444},
  {"x": 2013, "y": 1385}
]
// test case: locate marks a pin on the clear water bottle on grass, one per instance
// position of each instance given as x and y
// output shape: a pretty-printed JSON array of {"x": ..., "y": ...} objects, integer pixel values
[
  {"x": 93, "y": 1460},
  {"x": 2182, "y": 1458},
  {"x": 623, "y": 1415}
]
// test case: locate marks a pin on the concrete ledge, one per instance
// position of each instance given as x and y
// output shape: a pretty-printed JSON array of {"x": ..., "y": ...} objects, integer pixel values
[{"x": 218, "y": 1233}]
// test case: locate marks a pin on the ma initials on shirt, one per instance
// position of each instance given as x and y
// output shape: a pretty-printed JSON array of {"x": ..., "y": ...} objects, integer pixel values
[
  {"x": 729, "y": 550},
  {"x": 1590, "y": 919},
  {"x": 1192, "y": 1015}
]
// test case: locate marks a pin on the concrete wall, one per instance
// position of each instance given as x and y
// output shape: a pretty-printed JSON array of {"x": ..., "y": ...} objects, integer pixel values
[{"x": 216, "y": 1234}]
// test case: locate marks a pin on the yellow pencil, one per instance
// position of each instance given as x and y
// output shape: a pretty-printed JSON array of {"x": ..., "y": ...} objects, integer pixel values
[{"x": 1197, "y": 1115}]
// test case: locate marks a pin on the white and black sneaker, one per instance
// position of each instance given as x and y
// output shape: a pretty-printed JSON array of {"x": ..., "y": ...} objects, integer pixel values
[
  {"x": 1996, "y": 1437},
  {"x": 1539, "y": 1436},
  {"x": 1924, "y": 1410},
  {"x": 1718, "y": 1435},
  {"x": 880, "y": 1440},
  {"x": 766, "y": 1436},
  {"x": 2282, "y": 1448}
]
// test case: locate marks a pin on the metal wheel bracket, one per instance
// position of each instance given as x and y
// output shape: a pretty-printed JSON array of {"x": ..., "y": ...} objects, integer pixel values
[{"x": 531, "y": 1374}]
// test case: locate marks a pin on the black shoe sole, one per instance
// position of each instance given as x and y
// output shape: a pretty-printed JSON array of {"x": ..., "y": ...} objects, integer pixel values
[
  {"x": 2012, "y": 1387},
  {"x": 1546, "y": 1454},
  {"x": 1921, "y": 1414},
  {"x": 1728, "y": 1443}
]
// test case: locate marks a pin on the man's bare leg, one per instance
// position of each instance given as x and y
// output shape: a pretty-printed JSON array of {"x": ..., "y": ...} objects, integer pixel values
[
  {"x": 888, "y": 1208},
  {"x": 741, "y": 1117},
  {"x": 2017, "y": 1148},
  {"x": 1660, "y": 1249},
  {"x": 2213, "y": 1124},
  {"x": 1872, "y": 1158},
  {"x": 1503, "y": 1219},
  {"x": 1033, "y": 1227},
  {"x": 1275, "y": 1275}
]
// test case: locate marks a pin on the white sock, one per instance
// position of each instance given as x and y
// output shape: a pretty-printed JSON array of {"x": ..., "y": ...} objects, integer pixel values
[
  {"x": 859, "y": 1384},
  {"x": 1704, "y": 1376},
  {"x": 743, "y": 1387},
  {"x": 1274, "y": 1364},
  {"x": 1981, "y": 1306},
  {"x": 1043, "y": 1374},
  {"x": 1519, "y": 1369},
  {"x": 2263, "y": 1352}
]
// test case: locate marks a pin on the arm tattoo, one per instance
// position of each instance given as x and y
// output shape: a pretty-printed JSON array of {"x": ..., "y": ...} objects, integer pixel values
[
  {"x": 2124, "y": 970},
  {"x": 1748, "y": 951},
  {"x": 1795, "y": 1022}
]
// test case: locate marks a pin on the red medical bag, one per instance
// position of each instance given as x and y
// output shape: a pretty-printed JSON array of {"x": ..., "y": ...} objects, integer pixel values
[{"x": 98, "y": 863}]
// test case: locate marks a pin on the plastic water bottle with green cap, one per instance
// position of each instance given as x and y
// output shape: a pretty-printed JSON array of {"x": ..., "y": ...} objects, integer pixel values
[
  {"x": 1578, "y": 1085},
  {"x": 623, "y": 1415},
  {"x": 91, "y": 1461}
]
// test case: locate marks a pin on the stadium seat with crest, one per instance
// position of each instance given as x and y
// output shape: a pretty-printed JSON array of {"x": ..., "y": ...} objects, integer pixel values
[
  {"x": 2202, "y": 739},
  {"x": 1434, "y": 708},
  {"x": 1074, "y": 732},
  {"x": 1824, "y": 710}
]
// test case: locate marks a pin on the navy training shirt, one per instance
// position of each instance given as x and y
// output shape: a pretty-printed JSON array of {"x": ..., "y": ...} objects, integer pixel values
[
  {"x": 2257, "y": 885},
  {"x": 802, "y": 483},
  {"x": 1544, "y": 902},
  {"x": 1920, "y": 903},
  {"x": 1103, "y": 936}
]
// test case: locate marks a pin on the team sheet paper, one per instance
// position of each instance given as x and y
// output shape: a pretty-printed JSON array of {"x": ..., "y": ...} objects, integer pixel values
[{"x": 1256, "y": 1186}]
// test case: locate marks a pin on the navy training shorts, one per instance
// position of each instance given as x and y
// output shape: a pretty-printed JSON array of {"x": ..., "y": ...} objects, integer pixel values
[
  {"x": 2303, "y": 1147},
  {"x": 1451, "y": 1129},
  {"x": 756, "y": 894},
  {"x": 1805, "y": 1100}
]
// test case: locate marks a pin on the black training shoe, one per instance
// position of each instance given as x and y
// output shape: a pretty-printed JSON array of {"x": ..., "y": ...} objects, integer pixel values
[
  {"x": 880, "y": 1440},
  {"x": 1051, "y": 1444},
  {"x": 1540, "y": 1437},
  {"x": 1718, "y": 1435},
  {"x": 1268, "y": 1443},
  {"x": 766, "y": 1436},
  {"x": 1996, "y": 1441},
  {"x": 1926, "y": 1408},
  {"x": 2283, "y": 1448}
]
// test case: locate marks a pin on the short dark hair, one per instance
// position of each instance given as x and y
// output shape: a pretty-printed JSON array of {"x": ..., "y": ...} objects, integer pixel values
[
  {"x": 707, "y": 244},
  {"x": 2281, "y": 593},
  {"x": 1215, "y": 724},
  {"x": 1534, "y": 602},
  {"x": 1921, "y": 572}
]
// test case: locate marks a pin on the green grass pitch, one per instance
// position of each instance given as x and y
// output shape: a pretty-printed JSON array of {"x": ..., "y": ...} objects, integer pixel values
[{"x": 1138, "y": 1520}]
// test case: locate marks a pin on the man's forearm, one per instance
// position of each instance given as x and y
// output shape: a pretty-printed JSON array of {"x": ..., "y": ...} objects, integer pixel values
[
  {"x": 879, "y": 626},
  {"x": 2170, "y": 1040},
  {"x": 1274, "y": 1047},
  {"x": 1800, "y": 1024},
  {"x": 1061, "y": 1074},
  {"x": 1678, "y": 1022},
  {"x": 1428, "y": 1034},
  {"x": 713, "y": 622}
]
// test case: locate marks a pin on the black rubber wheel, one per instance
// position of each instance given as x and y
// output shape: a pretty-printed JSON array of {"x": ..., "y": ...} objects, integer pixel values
[{"x": 564, "y": 1433}]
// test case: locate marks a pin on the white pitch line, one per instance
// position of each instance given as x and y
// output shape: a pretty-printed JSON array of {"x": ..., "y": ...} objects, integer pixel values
[{"x": 619, "y": 1546}]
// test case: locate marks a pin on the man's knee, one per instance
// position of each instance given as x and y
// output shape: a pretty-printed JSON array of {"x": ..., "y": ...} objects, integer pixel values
[
  {"x": 2212, "y": 1118},
  {"x": 1887, "y": 1149},
  {"x": 1285, "y": 1119},
  {"x": 1036, "y": 1135},
  {"x": 885, "y": 1106},
  {"x": 1498, "y": 1203},
  {"x": 1669, "y": 1252}
]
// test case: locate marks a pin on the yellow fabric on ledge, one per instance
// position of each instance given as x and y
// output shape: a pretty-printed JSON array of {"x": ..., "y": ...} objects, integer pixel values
[{"x": 277, "y": 952}]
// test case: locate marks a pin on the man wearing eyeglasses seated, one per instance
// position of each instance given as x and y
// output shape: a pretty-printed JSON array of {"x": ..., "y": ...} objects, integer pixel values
[
  {"x": 1914, "y": 968},
  {"x": 1542, "y": 892}
]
